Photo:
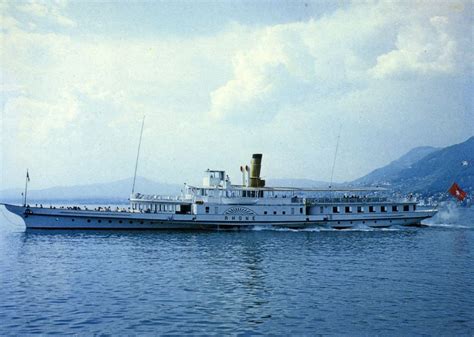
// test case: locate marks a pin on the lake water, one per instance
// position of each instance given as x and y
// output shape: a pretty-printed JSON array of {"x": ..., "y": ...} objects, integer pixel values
[{"x": 401, "y": 281}]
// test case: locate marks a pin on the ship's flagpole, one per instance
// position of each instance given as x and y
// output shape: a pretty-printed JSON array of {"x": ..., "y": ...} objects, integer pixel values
[
  {"x": 138, "y": 155},
  {"x": 454, "y": 189},
  {"x": 27, "y": 179}
]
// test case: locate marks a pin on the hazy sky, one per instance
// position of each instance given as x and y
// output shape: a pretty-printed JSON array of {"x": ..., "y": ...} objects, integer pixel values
[{"x": 219, "y": 81}]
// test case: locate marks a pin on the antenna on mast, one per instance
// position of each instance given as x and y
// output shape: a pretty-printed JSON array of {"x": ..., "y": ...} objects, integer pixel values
[
  {"x": 138, "y": 155},
  {"x": 335, "y": 155}
]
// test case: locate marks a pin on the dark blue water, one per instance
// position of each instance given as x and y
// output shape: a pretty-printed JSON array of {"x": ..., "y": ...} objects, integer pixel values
[{"x": 386, "y": 282}]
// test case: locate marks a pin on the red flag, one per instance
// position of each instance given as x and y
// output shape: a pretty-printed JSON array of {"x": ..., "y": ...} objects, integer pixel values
[{"x": 457, "y": 192}]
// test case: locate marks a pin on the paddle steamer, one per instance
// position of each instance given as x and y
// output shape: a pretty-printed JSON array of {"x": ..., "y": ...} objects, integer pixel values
[{"x": 219, "y": 204}]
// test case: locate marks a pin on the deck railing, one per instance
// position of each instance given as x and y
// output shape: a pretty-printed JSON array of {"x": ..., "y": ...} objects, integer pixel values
[
  {"x": 356, "y": 200},
  {"x": 154, "y": 197}
]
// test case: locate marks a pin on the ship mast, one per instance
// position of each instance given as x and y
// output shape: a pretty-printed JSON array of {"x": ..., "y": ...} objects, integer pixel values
[
  {"x": 27, "y": 179},
  {"x": 335, "y": 156},
  {"x": 138, "y": 155}
]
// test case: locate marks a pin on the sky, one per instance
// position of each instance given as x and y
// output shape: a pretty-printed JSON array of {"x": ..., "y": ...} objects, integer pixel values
[{"x": 220, "y": 80}]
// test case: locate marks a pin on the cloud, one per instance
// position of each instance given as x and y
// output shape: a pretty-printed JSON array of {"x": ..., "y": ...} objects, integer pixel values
[
  {"x": 34, "y": 8},
  {"x": 339, "y": 53},
  {"x": 280, "y": 58},
  {"x": 8, "y": 23},
  {"x": 49, "y": 10},
  {"x": 33, "y": 119},
  {"x": 421, "y": 48},
  {"x": 88, "y": 94}
]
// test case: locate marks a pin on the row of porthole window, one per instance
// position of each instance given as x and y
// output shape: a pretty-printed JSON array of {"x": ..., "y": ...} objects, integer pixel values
[
  {"x": 375, "y": 221},
  {"x": 119, "y": 221},
  {"x": 360, "y": 209}
]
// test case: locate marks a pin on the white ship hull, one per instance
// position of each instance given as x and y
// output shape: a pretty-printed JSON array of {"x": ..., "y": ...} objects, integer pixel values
[{"x": 47, "y": 218}]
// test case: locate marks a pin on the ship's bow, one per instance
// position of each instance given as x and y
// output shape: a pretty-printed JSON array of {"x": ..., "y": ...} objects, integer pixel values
[{"x": 18, "y": 210}]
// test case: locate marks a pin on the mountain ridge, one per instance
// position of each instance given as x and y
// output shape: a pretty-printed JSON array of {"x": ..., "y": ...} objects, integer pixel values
[
  {"x": 396, "y": 165},
  {"x": 432, "y": 173}
]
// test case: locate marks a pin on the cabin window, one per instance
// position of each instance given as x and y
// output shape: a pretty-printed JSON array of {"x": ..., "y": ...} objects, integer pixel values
[
  {"x": 371, "y": 209},
  {"x": 321, "y": 209},
  {"x": 265, "y": 212},
  {"x": 383, "y": 209},
  {"x": 406, "y": 208},
  {"x": 301, "y": 210},
  {"x": 207, "y": 209},
  {"x": 414, "y": 207},
  {"x": 274, "y": 212},
  {"x": 335, "y": 209},
  {"x": 283, "y": 212},
  {"x": 360, "y": 209},
  {"x": 292, "y": 211},
  {"x": 394, "y": 208},
  {"x": 348, "y": 209}
]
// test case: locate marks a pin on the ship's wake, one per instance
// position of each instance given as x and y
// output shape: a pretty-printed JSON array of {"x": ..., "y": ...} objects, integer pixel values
[
  {"x": 450, "y": 225},
  {"x": 451, "y": 215}
]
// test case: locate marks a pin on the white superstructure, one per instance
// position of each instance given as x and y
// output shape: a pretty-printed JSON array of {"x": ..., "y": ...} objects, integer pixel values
[{"x": 220, "y": 204}]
